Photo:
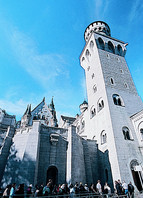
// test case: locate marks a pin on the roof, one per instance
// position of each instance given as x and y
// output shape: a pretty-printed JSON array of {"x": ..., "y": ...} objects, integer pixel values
[
  {"x": 65, "y": 118},
  {"x": 84, "y": 102}
]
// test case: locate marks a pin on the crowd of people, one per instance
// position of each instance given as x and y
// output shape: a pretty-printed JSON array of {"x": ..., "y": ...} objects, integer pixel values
[
  {"x": 70, "y": 190},
  {"x": 122, "y": 188}
]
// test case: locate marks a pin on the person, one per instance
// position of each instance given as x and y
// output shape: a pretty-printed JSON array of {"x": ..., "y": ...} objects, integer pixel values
[
  {"x": 20, "y": 191},
  {"x": 99, "y": 187},
  {"x": 54, "y": 191},
  {"x": 6, "y": 191},
  {"x": 72, "y": 191},
  {"x": 130, "y": 190},
  {"x": 29, "y": 190},
  {"x": 46, "y": 190},
  {"x": 36, "y": 191},
  {"x": 107, "y": 189},
  {"x": 81, "y": 188},
  {"x": 66, "y": 189},
  {"x": 118, "y": 188},
  {"x": 12, "y": 190},
  {"x": 86, "y": 188},
  {"x": 93, "y": 189},
  {"x": 59, "y": 190},
  {"x": 40, "y": 192},
  {"x": 125, "y": 187},
  {"x": 76, "y": 188}
]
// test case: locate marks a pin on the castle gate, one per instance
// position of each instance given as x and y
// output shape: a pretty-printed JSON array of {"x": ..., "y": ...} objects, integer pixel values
[
  {"x": 52, "y": 173},
  {"x": 137, "y": 174}
]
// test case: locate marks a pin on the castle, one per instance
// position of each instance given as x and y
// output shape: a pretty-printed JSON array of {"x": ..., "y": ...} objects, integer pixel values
[{"x": 104, "y": 142}]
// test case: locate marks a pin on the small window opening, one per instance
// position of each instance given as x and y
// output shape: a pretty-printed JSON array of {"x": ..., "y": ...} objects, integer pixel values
[
  {"x": 112, "y": 81},
  {"x": 126, "y": 133},
  {"x": 94, "y": 88},
  {"x": 92, "y": 112},
  {"x": 117, "y": 100},
  {"x": 100, "y": 105},
  {"x": 111, "y": 47}
]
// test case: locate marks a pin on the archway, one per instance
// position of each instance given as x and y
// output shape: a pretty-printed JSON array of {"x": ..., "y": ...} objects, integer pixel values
[
  {"x": 137, "y": 174},
  {"x": 52, "y": 173}
]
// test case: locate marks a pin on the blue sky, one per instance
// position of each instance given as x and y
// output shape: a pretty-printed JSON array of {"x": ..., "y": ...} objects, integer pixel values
[{"x": 40, "y": 45}]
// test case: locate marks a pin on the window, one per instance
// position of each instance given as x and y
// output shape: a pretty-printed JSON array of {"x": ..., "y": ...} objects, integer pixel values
[
  {"x": 121, "y": 71},
  {"x": 112, "y": 81},
  {"x": 140, "y": 130},
  {"x": 88, "y": 68},
  {"x": 92, "y": 112},
  {"x": 111, "y": 47},
  {"x": 100, "y": 104},
  {"x": 92, "y": 75},
  {"x": 91, "y": 44},
  {"x": 83, "y": 58},
  {"x": 87, "y": 54},
  {"x": 126, "y": 85},
  {"x": 103, "y": 137},
  {"x": 117, "y": 100},
  {"x": 119, "y": 50},
  {"x": 94, "y": 88},
  {"x": 101, "y": 43},
  {"x": 82, "y": 124},
  {"x": 78, "y": 128},
  {"x": 126, "y": 133}
]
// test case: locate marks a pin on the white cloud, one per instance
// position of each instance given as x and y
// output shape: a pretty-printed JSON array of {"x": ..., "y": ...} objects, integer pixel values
[
  {"x": 42, "y": 67},
  {"x": 15, "y": 108},
  {"x": 101, "y": 7},
  {"x": 136, "y": 10}
]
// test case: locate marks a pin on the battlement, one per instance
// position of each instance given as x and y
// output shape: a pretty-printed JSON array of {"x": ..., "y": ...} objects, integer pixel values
[{"x": 97, "y": 26}]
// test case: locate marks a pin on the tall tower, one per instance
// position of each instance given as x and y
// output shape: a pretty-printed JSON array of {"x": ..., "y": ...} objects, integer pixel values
[{"x": 112, "y": 100}]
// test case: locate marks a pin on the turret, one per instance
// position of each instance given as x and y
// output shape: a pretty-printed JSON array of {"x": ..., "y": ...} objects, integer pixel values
[
  {"x": 26, "y": 117},
  {"x": 83, "y": 106},
  {"x": 98, "y": 27},
  {"x": 52, "y": 109}
]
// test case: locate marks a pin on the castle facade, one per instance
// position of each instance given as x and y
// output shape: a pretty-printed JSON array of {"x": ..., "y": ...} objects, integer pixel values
[{"x": 104, "y": 142}]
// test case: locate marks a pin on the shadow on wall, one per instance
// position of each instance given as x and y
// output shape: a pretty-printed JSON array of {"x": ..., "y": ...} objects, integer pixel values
[
  {"x": 18, "y": 170},
  {"x": 105, "y": 169}
]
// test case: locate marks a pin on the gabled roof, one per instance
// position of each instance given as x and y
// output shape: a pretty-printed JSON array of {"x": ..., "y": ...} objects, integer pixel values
[{"x": 39, "y": 104}]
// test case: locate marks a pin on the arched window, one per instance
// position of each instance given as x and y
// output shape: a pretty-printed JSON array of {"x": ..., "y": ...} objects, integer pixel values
[
  {"x": 140, "y": 129},
  {"x": 92, "y": 112},
  {"x": 111, "y": 47},
  {"x": 119, "y": 50},
  {"x": 87, "y": 54},
  {"x": 103, "y": 137},
  {"x": 126, "y": 85},
  {"x": 101, "y": 43},
  {"x": 94, "y": 88},
  {"x": 100, "y": 104},
  {"x": 91, "y": 44},
  {"x": 83, "y": 58},
  {"x": 78, "y": 128},
  {"x": 126, "y": 133},
  {"x": 117, "y": 100},
  {"x": 82, "y": 124}
]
